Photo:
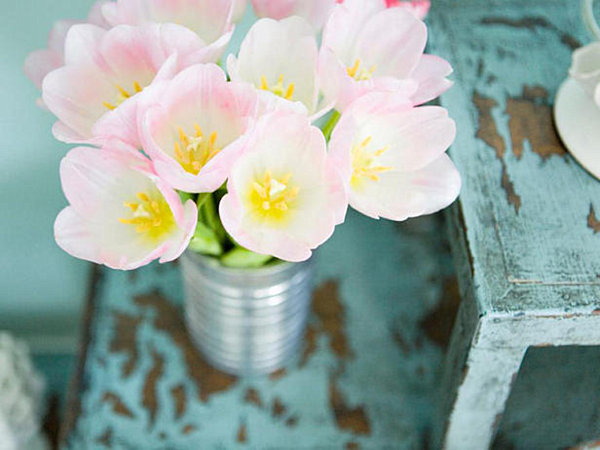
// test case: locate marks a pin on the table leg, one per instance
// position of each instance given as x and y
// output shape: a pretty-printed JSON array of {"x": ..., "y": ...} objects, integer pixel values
[{"x": 481, "y": 396}]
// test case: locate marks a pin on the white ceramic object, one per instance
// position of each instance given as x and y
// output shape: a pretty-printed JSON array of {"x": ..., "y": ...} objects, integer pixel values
[
  {"x": 578, "y": 123},
  {"x": 21, "y": 396}
]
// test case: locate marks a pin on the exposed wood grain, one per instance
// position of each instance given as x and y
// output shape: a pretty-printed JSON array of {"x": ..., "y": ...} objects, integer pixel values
[
  {"x": 438, "y": 324},
  {"x": 592, "y": 221},
  {"x": 353, "y": 419},
  {"x": 149, "y": 390},
  {"x": 124, "y": 340},
  {"x": 106, "y": 438},
  {"x": 252, "y": 397},
  {"x": 208, "y": 380},
  {"x": 329, "y": 309},
  {"x": 242, "y": 434},
  {"x": 180, "y": 400},
  {"x": 118, "y": 406}
]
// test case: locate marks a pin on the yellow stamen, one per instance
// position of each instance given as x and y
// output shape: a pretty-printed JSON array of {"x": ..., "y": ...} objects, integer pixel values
[
  {"x": 151, "y": 217},
  {"x": 360, "y": 73},
  {"x": 271, "y": 199},
  {"x": 193, "y": 151},
  {"x": 123, "y": 94},
  {"x": 364, "y": 163},
  {"x": 278, "y": 88}
]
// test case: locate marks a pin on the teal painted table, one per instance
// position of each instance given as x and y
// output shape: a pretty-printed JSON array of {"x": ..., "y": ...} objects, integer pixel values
[{"x": 527, "y": 257}]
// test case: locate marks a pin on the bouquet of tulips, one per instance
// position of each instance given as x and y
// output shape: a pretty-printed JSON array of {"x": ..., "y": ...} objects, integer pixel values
[{"x": 245, "y": 157}]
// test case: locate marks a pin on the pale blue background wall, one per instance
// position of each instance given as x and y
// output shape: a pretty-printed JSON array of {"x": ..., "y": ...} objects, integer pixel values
[{"x": 41, "y": 288}]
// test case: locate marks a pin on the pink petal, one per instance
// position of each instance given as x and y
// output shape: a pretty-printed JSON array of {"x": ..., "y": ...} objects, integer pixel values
[
  {"x": 431, "y": 73},
  {"x": 39, "y": 63}
]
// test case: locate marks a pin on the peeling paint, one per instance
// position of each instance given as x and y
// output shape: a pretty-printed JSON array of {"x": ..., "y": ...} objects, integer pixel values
[
  {"x": 118, "y": 406},
  {"x": 124, "y": 340},
  {"x": 242, "y": 434},
  {"x": 106, "y": 438},
  {"x": 329, "y": 309},
  {"x": 149, "y": 390},
  {"x": 180, "y": 400},
  {"x": 347, "y": 418},
  {"x": 438, "y": 324},
  {"x": 168, "y": 319},
  {"x": 592, "y": 221},
  {"x": 252, "y": 397}
]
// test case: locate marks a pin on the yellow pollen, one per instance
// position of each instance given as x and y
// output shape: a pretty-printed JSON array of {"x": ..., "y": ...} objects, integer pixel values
[
  {"x": 123, "y": 94},
  {"x": 278, "y": 89},
  {"x": 193, "y": 152},
  {"x": 150, "y": 215},
  {"x": 271, "y": 198},
  {"x": 360, "y": 73},
  {"x": 364, "y": 163}
]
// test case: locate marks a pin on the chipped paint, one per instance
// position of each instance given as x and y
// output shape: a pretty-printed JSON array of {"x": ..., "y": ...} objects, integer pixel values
[
  {"x": 180, "y": 400},
  {"x": 118, "y": 406},
  {"x": 530, "y": 119},
  {"x": 124, "y": 340},
  {"x": 252, "y": 397},
  {"x": 242, "y": 434},
  {"x": 353, "y": 419},
  {"x": 438, "y": 324},
  {"x": 329, "y": 309},
  {"x": 592, "y": 221},
  {"x": 149, "y": 390},
  {"x": 167, "y": 319}
]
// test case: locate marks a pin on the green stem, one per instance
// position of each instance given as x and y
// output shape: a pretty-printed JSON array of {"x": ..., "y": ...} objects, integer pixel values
[{"x": 330, "y": 125}]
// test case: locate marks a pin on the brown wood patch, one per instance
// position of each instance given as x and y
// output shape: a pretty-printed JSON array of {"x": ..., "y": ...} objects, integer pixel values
[
  {"x": 347, "y": 418},
  {"x": 242, "y": 434},
  {"x": 207, "y": 379},
  {"x": 329, "y": 309},
  {"x": 592, "y": 221},
  {"x": 106, "y": 438},
  {"x": 530, "y": 118},
  {"x": 278, "y": 409},
  {"x": 278, "y": 374},
  {"x": 252, "y": 397},
  {"x": 180, "y": 400},
  {"x": 118, "y": 406},
  {"x": 187, "y": 429},
  {"x": 124, "y": 340},
  {"x": 149, "y": 390}
]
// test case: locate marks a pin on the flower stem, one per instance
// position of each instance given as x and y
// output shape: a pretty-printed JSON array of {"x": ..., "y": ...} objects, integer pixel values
[{"x": 330, "y": 125}]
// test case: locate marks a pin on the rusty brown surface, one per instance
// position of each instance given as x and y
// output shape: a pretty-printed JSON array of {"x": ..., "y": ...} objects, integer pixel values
[
  {"x": 352, "y": 446},
  {"x": 278, "y": 374},
  {"x": 179, "y": 399},
  {"x": 438, "y": 324},
  {"x": 531, "y": 23},
  {"x": 242, "y": 434},
  {"x": 252, "y": 397},
  {"x": 292, "y": 421},
  {"x": 149, "y": 390},
  {"x": 118, "y": 406},
  {"x": 51, "y": 423},
  {"x": 76, "y": 385},
  {"x": 488, "y": 133},
  {"x": 278, "y": 409},
  {"x": 207, "y": 379},
  {"x": 187, "y": 429},
  {"x": 329, "y": 309},
  {"x": 353, "y": 419},
  {"x": 530, "y": 118},
  {"x": 310, "y": 344},
  {"x": 124, "y": 340},
  {"x": 106, "y": 438},
  {"x": 592, "y": 221}
]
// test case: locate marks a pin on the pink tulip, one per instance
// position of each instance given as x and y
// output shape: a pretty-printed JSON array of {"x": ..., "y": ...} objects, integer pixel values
[
  {"x": 41, "y": 62},
  {"x": 284, "y": 195},
  {"x": 280, "y": 58},
  {"x": 316, "y": 12},
  {"x": 210, "y": 19},
  {"x": 368, "y": 47},
  {"x": 191, "y": 127},
  {"x": 95, "y": 93},
  {"x": 120, "y": 214},
  {"x": 391, "y": 156}
]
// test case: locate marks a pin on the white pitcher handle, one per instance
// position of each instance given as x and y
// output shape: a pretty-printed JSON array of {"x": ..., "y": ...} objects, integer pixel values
[{"x": 587, "y": 8}]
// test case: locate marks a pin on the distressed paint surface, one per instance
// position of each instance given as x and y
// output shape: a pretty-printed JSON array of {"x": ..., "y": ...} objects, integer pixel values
[
  {"x": 365, "y": 378},
  {"x": 525, "y": 233}
]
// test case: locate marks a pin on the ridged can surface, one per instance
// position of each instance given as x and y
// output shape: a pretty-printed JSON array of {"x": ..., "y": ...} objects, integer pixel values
[{"x": 246, "y": 321}]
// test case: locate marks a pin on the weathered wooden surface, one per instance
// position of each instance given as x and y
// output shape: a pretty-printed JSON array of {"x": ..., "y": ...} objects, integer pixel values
[
  {"x": 366, "y": 376},
  {"x": 525, "y": 234}
]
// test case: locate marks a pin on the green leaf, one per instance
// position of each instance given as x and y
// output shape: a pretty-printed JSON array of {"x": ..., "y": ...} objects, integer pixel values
[
  {"x": 205, "y": 241},
  {"x": 201, "y": 199},
  {"x": 240, "y": 258},
  {"x": 184, "y": 196}
]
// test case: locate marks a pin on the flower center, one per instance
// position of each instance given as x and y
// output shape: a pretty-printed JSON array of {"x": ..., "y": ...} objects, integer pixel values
[
  {"x": 359, "y": 72},
  {"x": 195, "y": 151},
  {"x": 278, "y": 89},
  {"x": 364, "y": 163},
  {"x": 271, "y": 199},
  {"x": 151, "y": 216},
  {"x": 123, "y": 95}
]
